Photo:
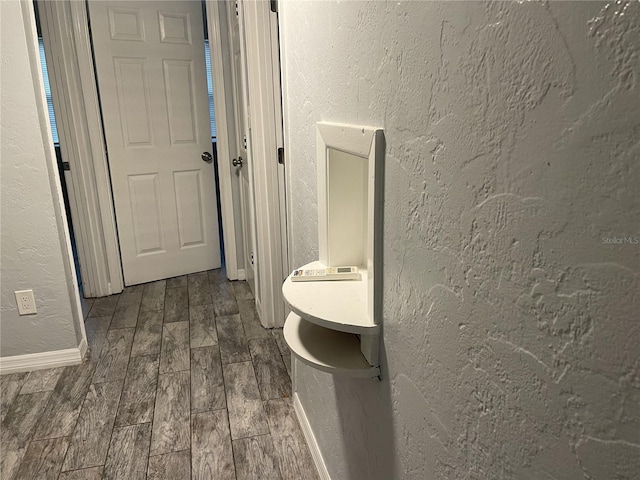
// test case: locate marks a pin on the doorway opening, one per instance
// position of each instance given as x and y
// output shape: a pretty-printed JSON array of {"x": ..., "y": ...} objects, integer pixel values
[
  {"x": 212, "y": 116},
  {"x": 63, "y": 167}
]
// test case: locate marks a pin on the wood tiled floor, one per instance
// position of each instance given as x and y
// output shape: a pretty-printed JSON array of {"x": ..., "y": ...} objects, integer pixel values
[{"x": 181, "y": 382}]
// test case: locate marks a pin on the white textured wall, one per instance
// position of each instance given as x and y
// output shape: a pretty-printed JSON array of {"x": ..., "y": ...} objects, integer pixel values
[
  {"x": 31, "y": 248},
  {"x": 511, "y": 330}
]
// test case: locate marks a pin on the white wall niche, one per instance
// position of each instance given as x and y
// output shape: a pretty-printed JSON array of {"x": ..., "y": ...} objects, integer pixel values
[{"x": 350, "y": 161}]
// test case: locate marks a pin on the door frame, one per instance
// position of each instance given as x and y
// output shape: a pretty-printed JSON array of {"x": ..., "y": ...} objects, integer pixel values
[
  {"x": 268, "y": 174},
  {"x": 75, "y": 96},
  {"x": 218, "y": 44},
  {"x": 71, "y": 55}
]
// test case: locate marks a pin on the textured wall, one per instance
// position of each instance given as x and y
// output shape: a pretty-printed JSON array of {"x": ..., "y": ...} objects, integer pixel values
[
  {"x": 31, "y": 249},
  {"x": 511, "y": 324}
]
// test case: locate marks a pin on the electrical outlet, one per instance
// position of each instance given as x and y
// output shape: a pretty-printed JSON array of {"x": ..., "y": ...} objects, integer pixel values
[{"x": 26, "y": 302}]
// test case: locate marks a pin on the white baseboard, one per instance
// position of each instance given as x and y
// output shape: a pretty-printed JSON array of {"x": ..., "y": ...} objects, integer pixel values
[
  {"x": 241, "y": 274},
  {"x": 39, "y": 361},
  {"x": 310, "y": 438}
]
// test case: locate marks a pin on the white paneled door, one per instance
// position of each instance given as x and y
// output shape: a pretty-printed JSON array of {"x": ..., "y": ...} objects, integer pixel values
[{"x": 151, "y": 75}]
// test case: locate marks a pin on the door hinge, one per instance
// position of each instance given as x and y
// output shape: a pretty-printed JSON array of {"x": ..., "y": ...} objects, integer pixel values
[
  {"x": 244, "y": 142},
  {"x": 274, "y": 6},
  {"x": 281, "y": 155},
  {"x": 66, "y": 166},
  {"x": 252, "y": 258},
  {"x": 236, "y": 9}
]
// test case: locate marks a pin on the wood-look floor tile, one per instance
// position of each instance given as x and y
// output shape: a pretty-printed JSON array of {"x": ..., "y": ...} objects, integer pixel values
[
  {"x": 134, "y": 289},
  {"x": 217, "y": 275},
  {"x": 10, "y": 386},
  {"x": 42, "y": 380},
  {"x": 16, "y": 429},
  {"x": 232, "y": 340},
  {"x": 43, "y": 459},
  {"x": 153, "y": 296},
  {"x": 170, "y": 466},
  {"x": 175, "y": 347},
  {"x": 94, "y": 473},
  {"x": 104, "y": 306},
  {"x": 171, "y": 422},
  {"x": 280, "y": 341},
  {"x": 148, "y": 336},
  {"x": 96, "y": 328},
  {"x": 211, "y": 452},
  {"x": 126, "y": 314},
  {"x": 199, "y": 290},
  {"x": 128, "y": 453},
  {"x": 242, "y": 290},
  {"x": 224, "y": 299},
  {"x": 291, "y": 448},
  {"x": 202, "y": 326},
  {"x": 139, "y": 391},
  {"x": 114, "y": 357},
  {"x": 246, "y": 412},
  {"x": 86, "y": 304},
  {"x": 176, "y": 305},
  {"x": 207, "y": 384},
  {"x": 273, "y": 379},
  {"x": 90, "y": 439},
  {"x": 176, "y": 282},
  {"x": 286, "y": 359},
  {"x": 250, "y": 320},
  {"x": 63, "y": 409},
  {"x": 255, "y": 458}
]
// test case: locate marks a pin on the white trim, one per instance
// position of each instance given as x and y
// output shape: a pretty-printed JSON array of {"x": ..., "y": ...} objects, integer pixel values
[
  {"x": 83, "y": 348},
  {"x": 33, "y": 50},
  {"x": 78, "y": 116},
  {"x": 264, "y": 143},
  {"x": 224, "y": 127},
  {"x": 310, "y": 438},
  {"x": 102, "y": 190},
  {"x": 241, "y": 274},
  {"x": 282, "y": 12},
  {"x": 39, "y": 361}
]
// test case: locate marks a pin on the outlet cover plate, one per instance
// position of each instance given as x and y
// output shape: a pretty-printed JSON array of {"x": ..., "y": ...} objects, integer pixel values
[{"x": 26, "y": 302}]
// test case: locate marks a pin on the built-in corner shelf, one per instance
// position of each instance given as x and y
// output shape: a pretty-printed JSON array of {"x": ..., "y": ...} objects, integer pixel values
[
  {"x": 334, "y": 325},
  {"x": 328, "y": 350},
  {"x": 339, "y": 305}
]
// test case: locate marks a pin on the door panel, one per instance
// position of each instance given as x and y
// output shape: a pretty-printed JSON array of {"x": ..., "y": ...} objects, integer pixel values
[
  {"x": 178, "y": 81},
  {"x": 144, "y": 195},
  {"x": 189, "y": 208},
  {"x": 151, "y": 74}
]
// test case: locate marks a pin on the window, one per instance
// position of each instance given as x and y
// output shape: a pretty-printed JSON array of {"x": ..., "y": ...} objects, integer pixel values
[
  {"x": 47, "y": 91},
  {"x": 212, "y": 114}
]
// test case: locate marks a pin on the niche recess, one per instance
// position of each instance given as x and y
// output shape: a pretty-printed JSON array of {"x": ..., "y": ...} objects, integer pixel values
[{"x": 335, "y": 325}]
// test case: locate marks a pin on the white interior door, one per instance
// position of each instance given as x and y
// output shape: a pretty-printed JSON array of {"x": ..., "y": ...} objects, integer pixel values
[
  {"x": 245, "y": 169},
  {"x": 151, "y": 75}
]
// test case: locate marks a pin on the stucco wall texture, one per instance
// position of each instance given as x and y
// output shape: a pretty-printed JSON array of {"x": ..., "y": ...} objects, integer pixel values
[
  {"x": 511, "y": 315},
  {"x": 31, "y": 242}
]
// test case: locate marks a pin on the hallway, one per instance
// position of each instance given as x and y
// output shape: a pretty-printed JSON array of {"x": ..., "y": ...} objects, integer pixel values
[{"x": 181, "y": 381}]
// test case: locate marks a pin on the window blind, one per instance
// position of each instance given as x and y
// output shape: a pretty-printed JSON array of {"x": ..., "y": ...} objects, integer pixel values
[
  {"x": 212, "y": 114},
  {"x": 47, "y": 91}
]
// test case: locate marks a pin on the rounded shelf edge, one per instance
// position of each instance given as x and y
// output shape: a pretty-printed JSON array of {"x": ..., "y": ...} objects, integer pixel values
[
  {"x": 316, "y": 303},
  {"x": 327, "y": 349}
]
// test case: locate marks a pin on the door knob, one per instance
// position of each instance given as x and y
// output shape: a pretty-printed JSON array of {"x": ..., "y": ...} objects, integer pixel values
[
  {"x": 237, "y": 162},
  {"x": 206, "y": 157}
]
